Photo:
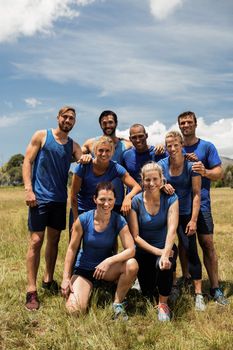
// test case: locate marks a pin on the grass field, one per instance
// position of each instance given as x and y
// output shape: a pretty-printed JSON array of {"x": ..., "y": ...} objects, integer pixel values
[{"x": 51, "y": 328}]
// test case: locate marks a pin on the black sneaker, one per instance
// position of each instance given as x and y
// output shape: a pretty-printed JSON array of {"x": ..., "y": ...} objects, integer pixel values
[
  {"x": 52, "y": 286},
  {"x": 218, "y": 296},
  {"x": 32, "y": 301}
]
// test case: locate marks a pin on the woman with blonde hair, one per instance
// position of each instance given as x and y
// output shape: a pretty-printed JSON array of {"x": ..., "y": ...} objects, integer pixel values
[
  {"x": 101, "y": 168},
  {"x": 153, "y": 221},
  {"x": 187, "y": 184}
]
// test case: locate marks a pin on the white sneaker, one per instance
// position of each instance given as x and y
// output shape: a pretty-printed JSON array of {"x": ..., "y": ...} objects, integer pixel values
[
  {"x": 199, "y": 303},
  {"x": 136, "y": 286}
]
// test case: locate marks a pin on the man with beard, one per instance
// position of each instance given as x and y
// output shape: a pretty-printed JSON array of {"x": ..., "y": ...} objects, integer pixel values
[
  {"x": 208, "y": 165},
  {"x": 108, "y": 123},
  {"x": 45, "y": 174}
]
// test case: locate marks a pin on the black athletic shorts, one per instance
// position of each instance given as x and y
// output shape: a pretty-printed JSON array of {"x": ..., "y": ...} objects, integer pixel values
[
  {"x": 205, "y": 225},
  {"x": 52, "y": 214}
]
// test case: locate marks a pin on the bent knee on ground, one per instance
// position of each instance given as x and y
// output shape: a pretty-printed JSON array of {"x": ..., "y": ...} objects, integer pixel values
[{"x": 74, "y": 307}]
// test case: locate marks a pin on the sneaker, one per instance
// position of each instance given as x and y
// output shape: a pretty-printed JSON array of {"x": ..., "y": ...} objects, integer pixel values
[
  {"x": 174, "y": 295},
  {"x": 164, "y": 313},
  {"x": 136, "y": 286},
  {"x": 32, "y": 302},
  {"x": 52, "y": 286},
  {"x": 218, "y": 296},
  {"x": 119, "y": 311},
  {"x": 199, "y": 303}
]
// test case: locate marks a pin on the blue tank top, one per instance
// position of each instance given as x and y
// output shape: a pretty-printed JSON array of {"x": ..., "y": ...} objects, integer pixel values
[
  {"x": 153, "y": 228},
  {"x": 50, "y": 170},
  {"x": 97, "y": 246}
]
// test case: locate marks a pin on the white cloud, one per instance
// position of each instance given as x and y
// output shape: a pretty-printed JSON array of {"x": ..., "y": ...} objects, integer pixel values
[
  {"x": 163, "y": 8},
  {"x": 219, "y": 133},
  {"x": 8, "y": 121},
  {"x": 32, "y": 102},
  {"x": 28, "y": 17}
]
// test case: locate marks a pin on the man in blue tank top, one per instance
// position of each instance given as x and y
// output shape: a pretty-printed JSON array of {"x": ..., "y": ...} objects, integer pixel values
[
  {"x": 209, "y": 166},
  {"x": 45, "y": 174}
]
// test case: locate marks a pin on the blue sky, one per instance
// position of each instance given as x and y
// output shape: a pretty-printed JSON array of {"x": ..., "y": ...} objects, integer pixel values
[{"x": 146, "y": 60}]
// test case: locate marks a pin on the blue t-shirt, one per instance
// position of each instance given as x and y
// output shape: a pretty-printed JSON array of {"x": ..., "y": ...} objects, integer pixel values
[
  {"x": 118, "y": 185},
  {"x": 181, "y": 183},
  {"x": 97, "y": 246},
  {"x": 90, "y": 180},
  {"x": 208, "y": 155},
  {"x": 153, "y": 228},
  {"x": 117, "y": 157},
  {"x": 133, "y": 160},
  {"x": 50, "y": 170}
]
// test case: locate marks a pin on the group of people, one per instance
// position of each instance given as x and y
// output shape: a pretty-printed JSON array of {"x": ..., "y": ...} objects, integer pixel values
[{"x": 162, "y": 192}]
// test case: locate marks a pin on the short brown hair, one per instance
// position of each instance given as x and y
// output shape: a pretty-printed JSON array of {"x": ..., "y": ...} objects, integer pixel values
[
  {"x": 187, "y": 114},
  {"x": 65, "y": 109}
]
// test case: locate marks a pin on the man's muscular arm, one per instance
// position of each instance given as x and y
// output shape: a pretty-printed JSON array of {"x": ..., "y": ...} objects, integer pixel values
[
  {"x": 213, "y": 174},
  {"x": 33, "y": 148}
]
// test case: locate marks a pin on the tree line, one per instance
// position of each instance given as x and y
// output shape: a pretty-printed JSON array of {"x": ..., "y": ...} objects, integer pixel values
[{"x": 11, "y": 173}]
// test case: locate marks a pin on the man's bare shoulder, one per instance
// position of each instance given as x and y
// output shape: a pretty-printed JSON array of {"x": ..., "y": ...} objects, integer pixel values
[{"x": 39, "y": 136}]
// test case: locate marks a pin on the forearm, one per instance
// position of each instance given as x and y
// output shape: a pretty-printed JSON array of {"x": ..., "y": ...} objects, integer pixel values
[
  {"x": 195, "y": 207},
  {"x": 123, "y": 256},
  {"x": 74, "y": 206},
  {"x": 27, "y": 174},
  {"x": 69, "y": 260},
  {"x": 213, "y": 174},
  {"x": 170, "y": 240},
  {"x": 135, "y": 189},
  {"x": 147, "y": 247}
]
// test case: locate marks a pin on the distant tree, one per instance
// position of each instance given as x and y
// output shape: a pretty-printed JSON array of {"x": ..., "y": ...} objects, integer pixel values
[
  {"x": 15, "y": 161},
  {"x": 11, "y": 172},
  {"x": 228, "y": 176}
]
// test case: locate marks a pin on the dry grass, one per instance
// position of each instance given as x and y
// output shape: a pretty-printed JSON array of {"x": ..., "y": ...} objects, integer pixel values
[{"x": 51, "y": 328}]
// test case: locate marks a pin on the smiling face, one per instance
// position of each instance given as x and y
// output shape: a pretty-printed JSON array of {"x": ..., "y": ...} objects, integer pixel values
[
  {"x": 103, "y": 152},
  {"x": 105, "y": 201},
  {"x": 66, "y": 121},
  {"x": 174, "y": 146},
  {"x": 108, "y": 125},
  {"x": 187, "y": 125},
  {"x": 138, "y": 137},
  {"x": 152, "y": 180}
]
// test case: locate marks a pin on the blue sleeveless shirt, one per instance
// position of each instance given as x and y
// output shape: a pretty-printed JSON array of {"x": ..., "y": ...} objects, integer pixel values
[{"x": 50, "y": 170}]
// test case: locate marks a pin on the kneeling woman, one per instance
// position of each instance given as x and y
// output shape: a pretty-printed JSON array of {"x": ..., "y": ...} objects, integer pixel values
[
  {"x": 98, "y": 230},
  {"x": 153, "y": 221}
]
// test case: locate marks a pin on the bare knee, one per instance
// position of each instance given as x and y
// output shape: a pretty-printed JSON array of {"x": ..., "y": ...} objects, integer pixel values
[
  {"x": 36, "y": 243},
  {"x": 53, "y": 236},
  {"x": 132, "y": 267},
  {"x": 207, "y": 245},
  {"x": 75, "y": 308}
]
